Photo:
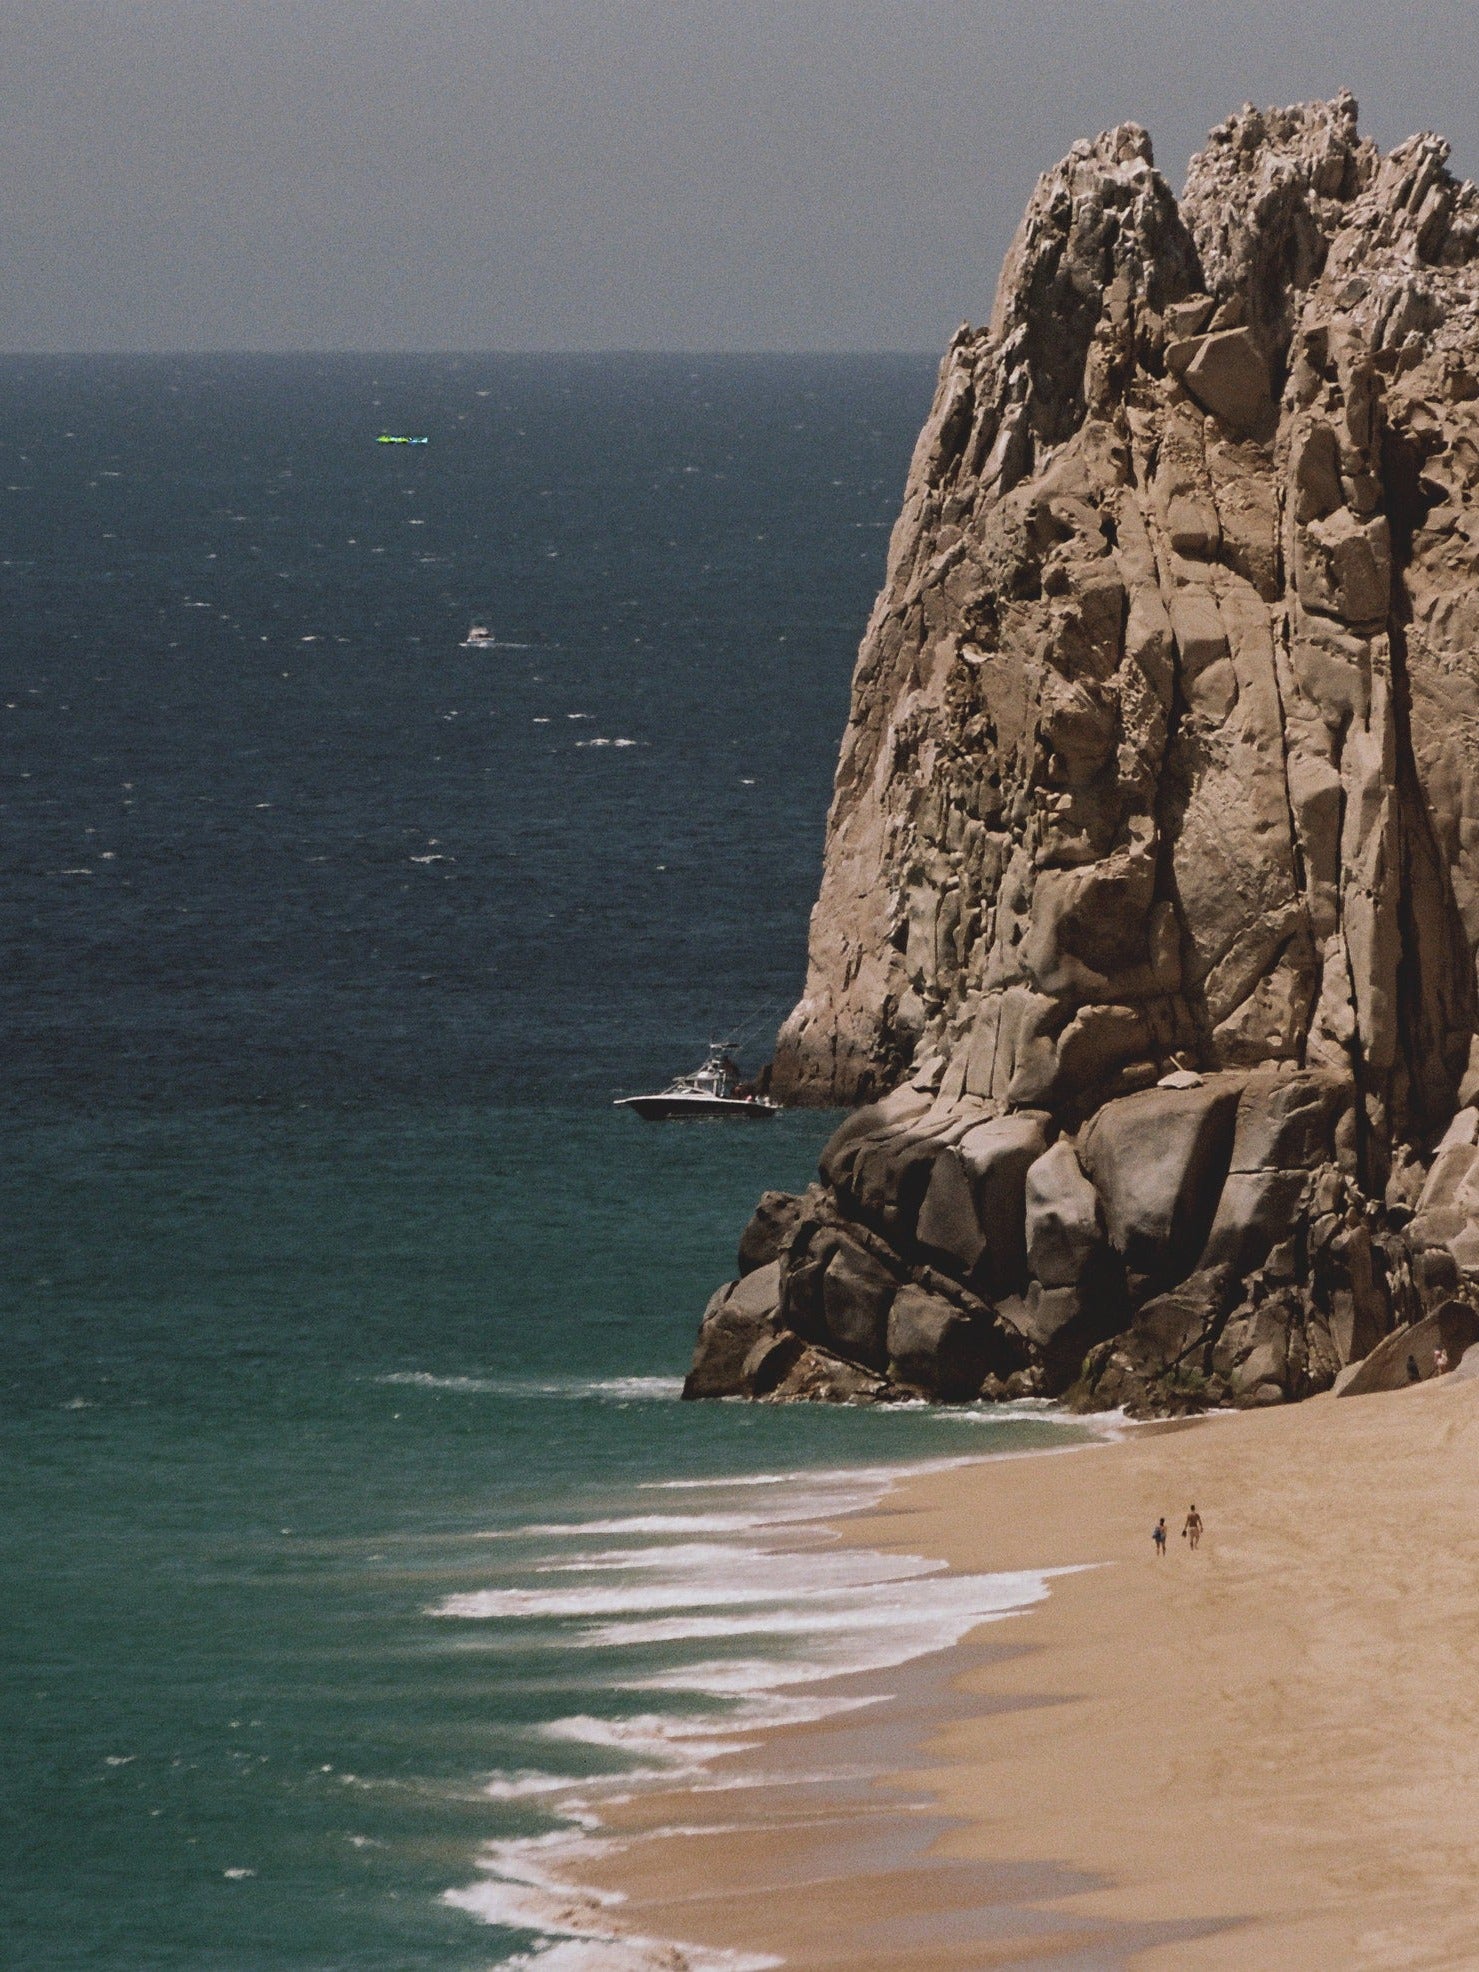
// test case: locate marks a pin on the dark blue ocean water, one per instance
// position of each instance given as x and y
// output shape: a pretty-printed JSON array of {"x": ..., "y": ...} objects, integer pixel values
[
  {"x": 270, "y": 836},
  {"x": 329, "y": 1276}
]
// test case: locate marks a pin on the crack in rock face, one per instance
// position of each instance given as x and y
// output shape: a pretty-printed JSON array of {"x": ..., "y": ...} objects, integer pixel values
[{"x": 1147, "y": 926}]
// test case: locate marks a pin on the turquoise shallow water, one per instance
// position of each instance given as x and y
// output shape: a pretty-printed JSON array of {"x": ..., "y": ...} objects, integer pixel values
[
  {"x": 269, "y": 1382},
  {"x": 328, "y": 1277}
]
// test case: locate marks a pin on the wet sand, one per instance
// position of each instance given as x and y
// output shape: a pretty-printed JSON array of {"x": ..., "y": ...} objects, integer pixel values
[{"x": 1261, "y": 1755}]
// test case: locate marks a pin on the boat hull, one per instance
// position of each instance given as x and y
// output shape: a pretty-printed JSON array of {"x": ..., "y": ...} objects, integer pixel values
[{"x": 696, "y": 1108}]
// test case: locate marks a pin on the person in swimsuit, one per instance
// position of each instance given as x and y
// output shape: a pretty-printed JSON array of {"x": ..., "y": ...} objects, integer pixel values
[
  {"x": 1159, "y": 1535},
  {"x": 1192, "y": 1531}
]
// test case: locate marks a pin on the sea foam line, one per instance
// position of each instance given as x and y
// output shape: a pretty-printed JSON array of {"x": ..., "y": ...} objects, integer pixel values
[
  {"x": 930, "y": 1622},
  {"x": 770, "y": 1571},
  {"x": 585, "y": 1940},
  {"x": 806, "y": 1568},
  {"x": 619, "y": 1389},
  {"x": 520, "y": 1892},
  {"x": 748, "y": 1579}
]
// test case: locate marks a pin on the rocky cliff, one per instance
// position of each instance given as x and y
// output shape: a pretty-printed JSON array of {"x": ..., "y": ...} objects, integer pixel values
[{"x": 1148, "y": 921}]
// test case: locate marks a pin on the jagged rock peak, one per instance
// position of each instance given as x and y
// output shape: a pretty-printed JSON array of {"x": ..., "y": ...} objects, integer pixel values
[
  {"x": 1101, "y": 239},
  {"x": 1276, "y": 189},
  {"x": 1264, "y": 200},
  {"x": 1094, "y": 519},
  {"x": 1156, "y": 819}
]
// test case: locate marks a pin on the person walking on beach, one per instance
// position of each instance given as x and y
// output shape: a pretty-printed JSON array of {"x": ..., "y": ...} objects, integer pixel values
[
  {"x": 1159, "y": 1535},
  {"x": 1192, "y": 1531}
]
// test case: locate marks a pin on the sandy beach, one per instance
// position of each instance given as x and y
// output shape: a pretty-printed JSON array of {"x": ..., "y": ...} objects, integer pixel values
[{"x": 1259, "y": 1755}]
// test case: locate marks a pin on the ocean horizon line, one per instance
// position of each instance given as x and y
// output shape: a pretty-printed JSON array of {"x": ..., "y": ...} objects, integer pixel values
[{"x": 573, "y": 352}]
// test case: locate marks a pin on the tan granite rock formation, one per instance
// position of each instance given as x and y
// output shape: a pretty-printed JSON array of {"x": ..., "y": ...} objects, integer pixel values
[{"x": 1156, "y": 826}]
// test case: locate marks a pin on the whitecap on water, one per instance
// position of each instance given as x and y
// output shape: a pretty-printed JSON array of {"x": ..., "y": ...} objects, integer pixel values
[
  {"x": 931, "y": 1617},
  {"x": 658, "y": 1524},
  {"x": 619, "y": 1389},
  {"x": 766, "y": 1568},
  {"x": 582, "y": 1935},
  {"x": 855, "y": 1487}
]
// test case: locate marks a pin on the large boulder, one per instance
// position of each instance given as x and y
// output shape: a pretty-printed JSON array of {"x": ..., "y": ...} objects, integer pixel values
[
  {"x": 765, "y": 1235},
  {"x": 880, "y": 1168},
  {"x": 1448, "y": 1206},
  {"x": 1288, "y": 1119},
  {"x": 1256, "y": 1209},
  {"x": 1252, "y": 1354},
  {"x": 770, "y": 1362},
  {"x": 1064, "y": 1225},
  {"x": 889, "y": 1178},
  {"x": 1349, "y": 1277},
  {"x": 1043, "y": 1314},
  {"x": 1059, "y": 1326},
  {"x": 949, "y": 1229},
  {"x": 1164, "y": 1360},
  {"x": 1228, "y": 375},
  {"x": 818, "y": 1377},
  {"x": 857, "y": 1292},
  {"x": 934, "y": 1347},
  {"x": 874, "y": 1123},
  {"x": 1454, "y": 1327},
  {"x": 997, "y": 1157},
  {"x": 973, "y": 1210},
  {"x": 740, "y": 1315},
  {"x": 1157, "y": 1161},
  {"x": 1287, "y": 1127}
]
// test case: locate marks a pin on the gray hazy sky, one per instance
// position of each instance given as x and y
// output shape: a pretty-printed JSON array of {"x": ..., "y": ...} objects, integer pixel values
[{"x": 596, "y": 174}]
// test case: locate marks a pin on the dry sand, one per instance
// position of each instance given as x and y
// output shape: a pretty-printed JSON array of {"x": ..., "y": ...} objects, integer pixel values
[{"x": 1262, "y": 1755}]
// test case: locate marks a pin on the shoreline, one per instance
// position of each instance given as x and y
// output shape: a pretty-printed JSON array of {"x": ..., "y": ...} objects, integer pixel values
[{"x": 1259, "y": 1755}]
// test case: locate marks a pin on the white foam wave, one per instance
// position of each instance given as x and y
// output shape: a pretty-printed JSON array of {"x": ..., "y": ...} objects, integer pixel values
[
  {"x": 524, "y": 1907},
  {"x": 682, "y": 1746},
  {"x": 530, "y": 1785},
  {"x": 637, "y": 1955},
  {"x": 576, "y": 1927},
  {"x": 622, "y": 1389},
  {"x": 796, "y": 1570},
  {"x": 944, "y": 1608},
  {"x": 682, "y": 1737},
  {"x": 729, "y": 1677},
  {"x": 484, "y": 1604},
  {"x": 657, "y": 1524},
  {"x": 699, "y": 1578},
  {"x": 850, "y": 1652},
  {"x": 844, "y": 1479},
  {"x": 572, "y": 1800},
  {"x": 744, "y": 1677},
  {"x": 666, "y": 1387},
  {"x": 809, "y": 1497},
  {"x": 532, "y": 1860},
  {"x": 763, "y": 1563}
]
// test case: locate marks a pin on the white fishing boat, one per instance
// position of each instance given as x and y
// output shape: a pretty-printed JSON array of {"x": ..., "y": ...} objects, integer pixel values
[
  {"x": 479, "y": 637},
  {"x": 709, "y": 1092}
]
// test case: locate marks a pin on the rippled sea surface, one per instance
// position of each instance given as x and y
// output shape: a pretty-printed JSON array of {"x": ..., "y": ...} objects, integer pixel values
[{"x": 352, "y": 1536}]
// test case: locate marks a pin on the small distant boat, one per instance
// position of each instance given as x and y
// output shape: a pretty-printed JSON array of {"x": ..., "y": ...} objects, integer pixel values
[
  {"x": 708, "y": 1092},
  {"x": 479, "y": 637}
]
